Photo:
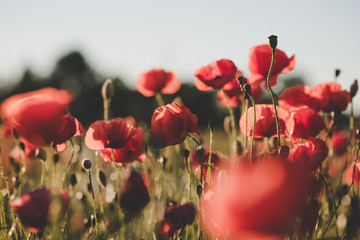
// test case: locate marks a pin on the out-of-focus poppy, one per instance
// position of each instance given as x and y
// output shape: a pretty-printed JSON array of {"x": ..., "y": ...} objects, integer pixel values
[
  {"x": 340, "y": 141},
  {"x": 298, "y": 96}
]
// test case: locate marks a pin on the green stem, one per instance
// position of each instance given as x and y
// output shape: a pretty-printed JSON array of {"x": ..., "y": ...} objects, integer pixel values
[
  {"x": 69, "y": 162},
  {"x": 273, "y": 96},
  {"x": 210, "y": 155},
  {"x": 106, "y": 108},
  {"x": 253, "y": 130},
  {"x": 159, "y": 99},
  {"x": 233, "y": 124},
  {"x": 94, "y": 205},
  {"x": 194, "y": 139}
]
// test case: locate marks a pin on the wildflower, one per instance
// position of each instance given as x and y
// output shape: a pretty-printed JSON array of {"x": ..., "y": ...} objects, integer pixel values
[
  {"x": 157, "y": 80},
  {"x": 135, "y": 194},
  {"x": 265, "y": 125},
  {"x": 175, "y": 218},
  {"x": 41, "y": 117},
  {"x": 215, "y": 75},
  {"x": 304, "y": 122},
  {"x": 171, "y": 124},
  {"x": 216, "y": 160},
  {"x": 34, "y": 208},
  {"x": 298, "y": 96},
  {"x": 260, "y": 60},
  {"x": 310, "y": 154},
  {"x": 115, "y": 138},
  {"x": 340, "y": 141},
  {"x": 263, "y": 198}
]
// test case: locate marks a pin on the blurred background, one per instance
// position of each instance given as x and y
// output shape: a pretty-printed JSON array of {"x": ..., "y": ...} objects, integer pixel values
[{"x": 78, "y": 44}]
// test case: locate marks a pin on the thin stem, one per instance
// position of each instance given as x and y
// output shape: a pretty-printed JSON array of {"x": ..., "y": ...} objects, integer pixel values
[
  {"x": 273, "y": 96},
  {"x": 233, "y": 125},
  {"x": 194, "y": 139},
  {"x": 210, "y": 155},
  {"x": 253, "y": 130},
  {"x": 94, "y": 205},
  {"x": 69, "y": 162},
  {"x": 351, "y": 116},
  {"x": 159, "y": 99}
]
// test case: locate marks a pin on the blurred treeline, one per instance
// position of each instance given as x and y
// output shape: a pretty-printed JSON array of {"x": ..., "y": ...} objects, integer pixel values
[{"x": 72, "y": 72}]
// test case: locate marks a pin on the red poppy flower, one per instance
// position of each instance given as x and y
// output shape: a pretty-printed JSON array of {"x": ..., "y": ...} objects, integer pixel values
[
  {"x": 133, "y": 150},
  {"x": 265, "y": 121},
  {"x": 310, "y": 154},
  {"x": 260, "y": 61},
  {"x": 304, "y": 122},
  {"x": 115, "y": 136},
  {"x": 215, "y": 75},
  {"x": 331, "y": 96},
  {"x": 340, "y": 141},
  {"x": 135, "y": 194},
  {"x": 216, "y": 160},
  {"x": 235, "y": 94},
  {"x": 41, "y": 117},
  {"x": 34, "y": 208},
  {"x": 175, "y": 218},
  {"x": 298, "y": 96},
  {"x": 157, "y": 80},
  {"x": 263, "y": 198},
  {"x": 171, "y": 124}
]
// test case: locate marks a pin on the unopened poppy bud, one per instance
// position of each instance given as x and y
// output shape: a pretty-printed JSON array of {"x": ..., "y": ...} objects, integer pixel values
[
  {"x": 273, "y": 41},
  {"x": 199, "y": 190},
  {"x": 227, "y": 124},
  {"x": 247, "y": 88},
  {"x": 354, "y": 88},
  {"x": 239, "y": 147},
  {"x": 284, "y": 152},
  {"x": 86, "y": 164},
  {"x": 73, "y": 179},
  {"x": 56, "y": 158},
  {"x": 41, "y": 153},
  {"x": 107, "y": 90},
  {"x": 102, "y": 178},
  {"x": 22, "y": 146},
  {"x": 337, "y": 72},
  {"x": 200, "y": 151},
  {"x": 240, "y": 80},
  {"x": 357, "y": 133},
  {"x": 15, "y": 133},
  {"x": 186, "y": 153}
]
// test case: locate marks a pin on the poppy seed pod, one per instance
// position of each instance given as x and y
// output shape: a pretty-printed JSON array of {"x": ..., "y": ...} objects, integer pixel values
[
  {"x": 240, "y": 80},
  {"x": 200, "y": 151},
  {"x": 247, "y": 88},
  {"x": 354, "y": 88},
  {"x": 86, "y": 164},
  {"x": 273, "y": 41},
  {"x": 337, "y": 72}
]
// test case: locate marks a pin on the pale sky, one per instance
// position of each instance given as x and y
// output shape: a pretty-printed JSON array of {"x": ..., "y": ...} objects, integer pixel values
[{"x": 125, "y": 38}]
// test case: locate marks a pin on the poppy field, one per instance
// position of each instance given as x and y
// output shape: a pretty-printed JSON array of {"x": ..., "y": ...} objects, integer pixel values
[{"x": 289, "y": 170}]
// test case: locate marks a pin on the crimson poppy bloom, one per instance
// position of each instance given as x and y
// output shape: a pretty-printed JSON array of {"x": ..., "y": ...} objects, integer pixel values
[
  {"x": 265, "y": 125},
  {"x": 157, "y": 80},
  {"x": 235, "y": 94},
  {"x": 304, "y": 122},
  {"x": 34, "y": 207},
  {"x": 115, "y": 136},
  {"x": 175, "y": 218},
  {"x": 135, "y": 194},
  {"x": 298, "y": 96},
  {"x": 171, "y": 124},
  {"x": 41, "y": 117},
  {"x": 331, "y": 96},
  {"x": 263, "y": 198},
  {"x": 260, "y": 61},
  {"x": 215, "y": 75},
  {"x": 310, "y": 154},
  {"x": 340, "y": 141}
]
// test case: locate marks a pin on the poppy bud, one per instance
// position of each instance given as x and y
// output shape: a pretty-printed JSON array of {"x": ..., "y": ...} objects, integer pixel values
[
  {"x": 41, "y": 153},
  {"x": 284, "y": 152},
  {"x": 227, "y": 124},
  {"x": 200, "y": 151},
  {"x": 86, "y": 164},
  {"x": 199, "y": 190},
  {"x": 73, "y": 179},
  {"x": 186, "y": 153},
  {"x": 56, "y": 158},
  {"x": 247, "y": 88},
  {"x": 273, "y": 41},
  {"x": 107, "y": 89},
  {"x": 22, "y": 146},
  {"x": 354, "y": 88},
  {"x": 102, "y": 178},
  {"x": 240, "y": 80},
  {"x": 239, "y": 147},
  {"x": 337, "y": 72}
]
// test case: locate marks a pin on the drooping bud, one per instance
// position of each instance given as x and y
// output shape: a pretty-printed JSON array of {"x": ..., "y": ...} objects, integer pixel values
[
  {"x": 41, "y": 153},
  {"x": 354, "y": 88},
  {"x": 186, "y": 153},
  {"x": 56, "y": 158},
  {"x": 102, "y": 178},
  {"x": 200, "y": 151},
  {"x": 273, "y": 41},
  {"x": 86, "y": 164},
  {"x": 247, "y": 88},
  {"x": 240, "y": 80},
  {"x": 337, "y": 72},
  {"x": 199, "y": 190},
  {"x": 107, "y": 90},
  {"x": 73, "y": 179}
]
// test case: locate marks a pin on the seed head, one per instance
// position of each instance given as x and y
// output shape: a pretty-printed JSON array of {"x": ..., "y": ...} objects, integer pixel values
[
  {"x": 273, "y": 41},
  {"x": 86, "y": 163}
]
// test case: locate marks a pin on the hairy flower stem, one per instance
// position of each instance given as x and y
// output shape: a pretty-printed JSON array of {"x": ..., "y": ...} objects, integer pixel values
[
  {"x": 94, "y": 205},
  {"x": 159, "y": 99},
  {"x": 69, "y": 162},
  {"x": 273, "y": 97},
  {"x": 253, "y": 130},
  {"x": 351, "y": 124},
  {"x": 106, "y": 108},
  {"x": 233, "y": 125},
  {"x": 210, "y": 155}
]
